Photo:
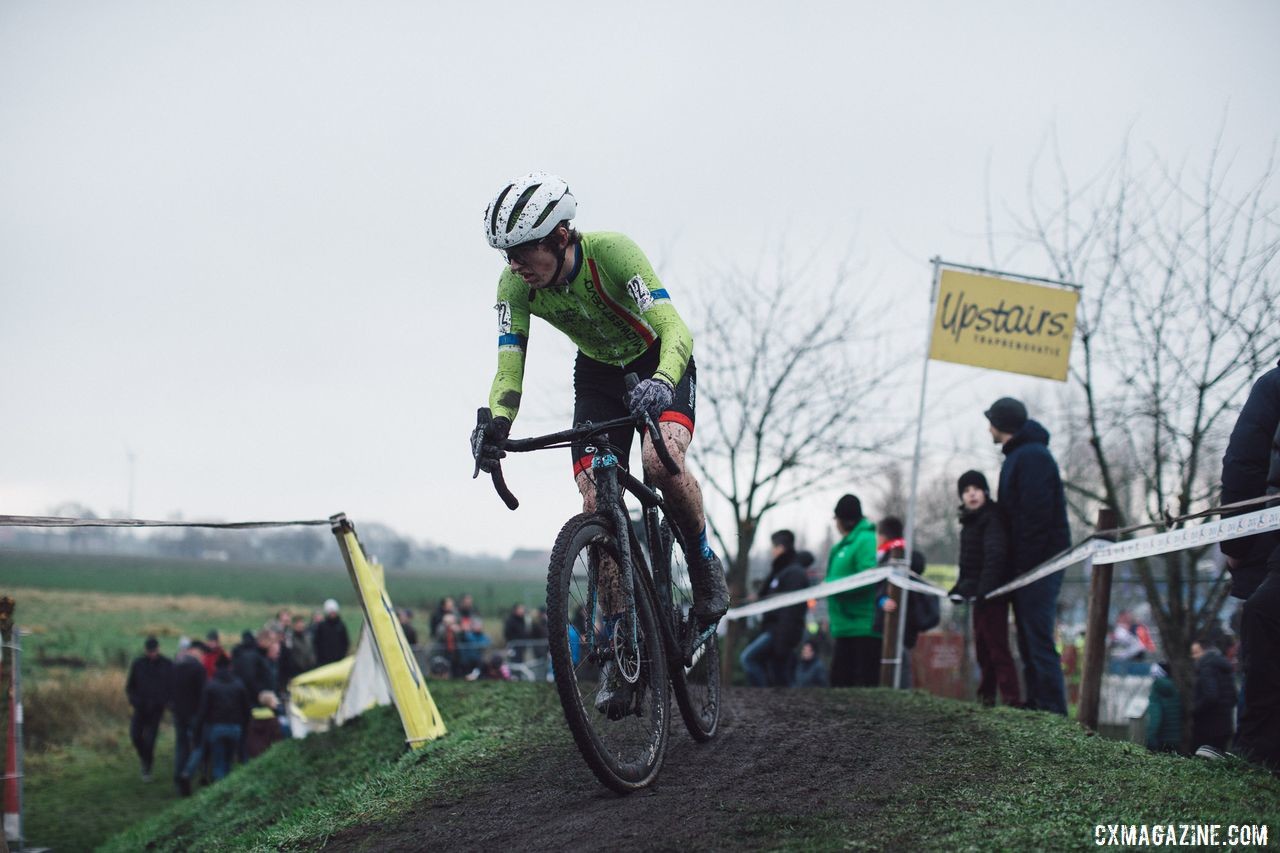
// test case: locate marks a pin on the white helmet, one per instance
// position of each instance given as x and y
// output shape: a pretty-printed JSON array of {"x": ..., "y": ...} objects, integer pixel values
[{"x": 528, "y": 208}]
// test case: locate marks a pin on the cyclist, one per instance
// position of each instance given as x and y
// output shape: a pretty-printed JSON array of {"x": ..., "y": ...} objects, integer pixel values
[{"x": 599, "y": 289}]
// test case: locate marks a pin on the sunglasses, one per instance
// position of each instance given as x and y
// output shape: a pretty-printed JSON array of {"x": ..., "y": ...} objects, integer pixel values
[{"x": 522, "y": 255}]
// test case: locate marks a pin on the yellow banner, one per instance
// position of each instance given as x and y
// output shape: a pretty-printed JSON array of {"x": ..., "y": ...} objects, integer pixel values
[
  {"x": 417, "y": 709},
  {"x": 1004, "y": 324}
]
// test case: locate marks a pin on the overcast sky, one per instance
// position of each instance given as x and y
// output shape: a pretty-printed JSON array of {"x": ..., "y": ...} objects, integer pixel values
[{"x": 241, "y": 240}]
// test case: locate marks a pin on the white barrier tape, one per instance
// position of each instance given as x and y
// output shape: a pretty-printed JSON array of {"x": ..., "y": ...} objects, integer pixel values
[
  {"x": 1104, "y": 553},
  {"x": 828, "y": 588},
  {"x": 799, "y": 596},
  {"x": 1065, "y": 560},
  {"x": 1262, "y": 521}
]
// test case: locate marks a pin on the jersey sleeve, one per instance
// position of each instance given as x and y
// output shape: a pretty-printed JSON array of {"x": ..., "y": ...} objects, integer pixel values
[
  {"x": 627, "y": 264},
  {"x": 513, "y": 339}
]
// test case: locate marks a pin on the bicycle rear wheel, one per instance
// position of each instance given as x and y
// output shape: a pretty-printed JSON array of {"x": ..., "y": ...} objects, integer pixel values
[
  {"x": 697, "y": 686},
  {"x": 624, "y": 753}
]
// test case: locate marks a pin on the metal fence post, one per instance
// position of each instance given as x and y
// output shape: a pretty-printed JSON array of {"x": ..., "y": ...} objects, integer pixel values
[{"x": 1095, "y": 634}]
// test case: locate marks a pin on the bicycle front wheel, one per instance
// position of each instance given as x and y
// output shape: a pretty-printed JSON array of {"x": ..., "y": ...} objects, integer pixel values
[
  {"x": 623, "y": 737},
  {"x": 697, "y": 684}
]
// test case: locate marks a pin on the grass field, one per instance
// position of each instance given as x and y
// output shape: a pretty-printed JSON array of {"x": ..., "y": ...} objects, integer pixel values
[{"x": 271, "y": 584}]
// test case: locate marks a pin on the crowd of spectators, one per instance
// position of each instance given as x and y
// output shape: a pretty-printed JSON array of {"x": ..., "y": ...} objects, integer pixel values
[{"x": 227, "y": 703}]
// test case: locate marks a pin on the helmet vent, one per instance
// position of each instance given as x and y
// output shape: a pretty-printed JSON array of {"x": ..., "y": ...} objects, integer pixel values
[
  {"x": 497, "y": 205},
  {"x": 546, "y": 211},
  {"x": 520, "y": 205}
]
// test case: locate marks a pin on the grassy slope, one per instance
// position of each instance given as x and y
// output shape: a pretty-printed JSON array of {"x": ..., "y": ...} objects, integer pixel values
[
  {"x": 301, "y": 792},
  {"x": 1008, "y": 779},
  {"x": 1000, "y": 780}
]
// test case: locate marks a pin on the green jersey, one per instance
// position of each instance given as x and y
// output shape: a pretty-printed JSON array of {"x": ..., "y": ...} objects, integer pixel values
[{"x": 613, "y": 308}]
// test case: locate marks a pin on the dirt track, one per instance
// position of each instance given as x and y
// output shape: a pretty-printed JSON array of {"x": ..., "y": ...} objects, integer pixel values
[{"x": 781, "y": 756}]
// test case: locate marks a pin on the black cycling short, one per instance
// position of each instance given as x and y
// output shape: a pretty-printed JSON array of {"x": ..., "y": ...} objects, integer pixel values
[{"x": 600, "y": 394}]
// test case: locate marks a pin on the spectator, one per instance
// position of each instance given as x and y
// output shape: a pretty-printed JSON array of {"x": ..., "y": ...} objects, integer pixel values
[
  {"x": 538, "y": 632},
  {"x": 473, "y": 642},
  {"x": 406, "y": 625},
  {"x": 450, "y": 640},
  {"x": 1251, "y": 469},
  {"x": 856, "y": 659},
  {"x": 767, "y": 660},
  {"x": 810, "y": 671},
  {"x": 983, "y": 568},
  {"x": 250, "y": 665},
  {"x": 264, "y": 727},
  {"x": 213, "y": 650},
  {"x": 298, "y": 645},
  {"x": 515, "y": 631},
  {"x": 494, "y": 668},
  {"x": 1215, "y": 700},
  {"x": 331, "y": 640},
  {"x": 221, "y": 721},
  {"x": 149, "y": 688},
  {"x": 1035, "y": 505},
  {"x": 445, "y": 606},
  {"x": 923, "y": 609},
  {"x": 1164, "y": 712},
  {"x": 188, "y": 685},
  {"x": 466, "y": 606},
  {"x": 1126, "y": 646}
]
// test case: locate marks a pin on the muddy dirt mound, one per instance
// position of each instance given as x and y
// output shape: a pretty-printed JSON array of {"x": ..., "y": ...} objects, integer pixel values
[{"x": 782, "y": 756}]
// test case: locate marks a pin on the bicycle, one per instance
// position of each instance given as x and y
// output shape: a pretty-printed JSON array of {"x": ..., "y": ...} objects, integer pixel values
[{"x": 656, "y": 640}]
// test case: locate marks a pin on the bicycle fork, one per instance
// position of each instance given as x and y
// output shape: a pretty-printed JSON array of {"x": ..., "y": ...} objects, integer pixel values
[{"x": 605, "y": 469}]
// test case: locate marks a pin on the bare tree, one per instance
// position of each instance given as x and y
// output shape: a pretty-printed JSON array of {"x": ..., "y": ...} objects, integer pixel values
[
  {"x": 1180, "y": 312},
  {"x": 786, "y": 402}
]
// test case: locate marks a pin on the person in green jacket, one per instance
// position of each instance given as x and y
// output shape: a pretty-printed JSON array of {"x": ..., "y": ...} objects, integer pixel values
[
  {"x": 855, "y": 662},
  {"x": 1164, "y": 713}
]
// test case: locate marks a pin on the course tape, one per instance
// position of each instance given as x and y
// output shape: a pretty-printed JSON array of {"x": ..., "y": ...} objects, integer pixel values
[
  {"x": 53, "y": 521},
  {"x": 1104, "y": 553},
  {"x": 827, "y": 588}
]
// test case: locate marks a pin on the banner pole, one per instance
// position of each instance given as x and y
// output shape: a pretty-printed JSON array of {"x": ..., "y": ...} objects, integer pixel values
[{"x": 915, "y": 466}]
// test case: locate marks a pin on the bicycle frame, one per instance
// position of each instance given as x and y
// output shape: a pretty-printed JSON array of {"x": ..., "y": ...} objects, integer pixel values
[{"x": 611, "y": 481}]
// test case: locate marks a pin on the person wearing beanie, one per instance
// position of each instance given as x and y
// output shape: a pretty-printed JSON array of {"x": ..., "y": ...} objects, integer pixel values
[
  {"x": 1034, "y": 505},
  {"x": 984, "y": 567},
  {"x": 1164, "y": 712},
  {"x": 855, "y": 660},
  {"x": 331, "y": 640},
  {"x": 767, "y": 660}
]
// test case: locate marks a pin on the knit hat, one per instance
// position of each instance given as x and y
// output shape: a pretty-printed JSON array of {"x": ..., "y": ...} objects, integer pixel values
[
  {"x": 973, "y": 478},
  {"x": 151, "y": 644},
  {"x": 1007, "y": 414},
  {"x": 849, "y": 508}
]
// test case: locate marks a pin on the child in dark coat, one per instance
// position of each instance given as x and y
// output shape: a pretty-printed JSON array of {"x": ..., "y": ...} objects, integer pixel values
[{"x": 983, "y": 568}]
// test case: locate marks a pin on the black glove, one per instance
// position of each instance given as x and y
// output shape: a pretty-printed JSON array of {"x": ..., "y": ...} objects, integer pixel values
[
  {"x": 486, "y": 443},
  {"x": 651, "y": 398}
]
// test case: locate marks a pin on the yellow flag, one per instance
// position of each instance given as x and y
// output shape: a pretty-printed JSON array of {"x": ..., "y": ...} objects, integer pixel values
[
  {"x": 413, "y": 700},
  {"x": 1004, "y": 324}
]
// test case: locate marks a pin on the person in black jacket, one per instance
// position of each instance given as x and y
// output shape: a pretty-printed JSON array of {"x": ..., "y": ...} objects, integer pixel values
[
  {"x": 984, "y": 566},
  {"x": 1251, "y": 469},
  {"x": 221, "y": 720},
  {"x": 149, "y": 688},
  {"x": 767, "y": 659},
  {"x": 923, "y": 610},
  {"x": 515, "y": 631},
  {"x": 1035, "y": 505},
  {"x": 250, "y": 664},
  {"x": 188, "y": 686},
  {"x": 331, "y": 641},
  {"x": 1215, "y": 698}
]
